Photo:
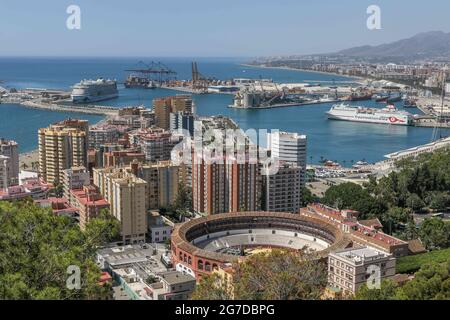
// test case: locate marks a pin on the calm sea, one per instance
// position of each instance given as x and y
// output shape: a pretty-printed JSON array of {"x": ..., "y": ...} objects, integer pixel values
[{"x": 335, "y": 140}]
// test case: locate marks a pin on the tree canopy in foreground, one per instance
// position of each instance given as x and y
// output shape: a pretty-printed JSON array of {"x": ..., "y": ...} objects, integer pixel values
[
  {"x": 37, "y": 248},
  {"x": 274, "y": 275}
]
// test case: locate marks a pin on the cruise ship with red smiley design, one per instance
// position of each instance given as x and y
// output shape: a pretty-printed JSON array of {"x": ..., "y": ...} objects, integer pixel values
[{"x": 387, "y": 115}]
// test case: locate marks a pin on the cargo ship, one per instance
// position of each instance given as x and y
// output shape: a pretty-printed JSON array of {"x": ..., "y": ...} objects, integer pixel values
[
  {"x": 388, "y": 115},
  {"x": 87, "y": 91},
  {"x": 360, "y": 96},
  {"x": 246, "y": 99},
  {"x": 410, "y": 103},
  {"x": 139, "y": 82}
]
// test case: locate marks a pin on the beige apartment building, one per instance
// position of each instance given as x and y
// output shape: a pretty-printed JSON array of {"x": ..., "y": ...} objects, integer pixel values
[
  {"x": 163, "y": 179},
  {"x": 62, "y": 146},
  {"x": 164, "y": 106},
  {"x": 349, "y": 269},
  {"x": 126, "y": 195}
]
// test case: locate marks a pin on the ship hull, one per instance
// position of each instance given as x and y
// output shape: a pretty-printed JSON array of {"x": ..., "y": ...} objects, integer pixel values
[
  {"x": 88, "y": 99},
  {"x": 390, "y": 120}
]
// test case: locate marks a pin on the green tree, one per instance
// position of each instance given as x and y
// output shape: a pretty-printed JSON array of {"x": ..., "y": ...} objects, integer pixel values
[
  {"x": 439, "y": 201},
  {"x": 411, "y": 231},
  {"x": 431, "y": 282},
  {"x": 415, "y": 202},
  {"x": 59, "y": 190},
  {"x": 352, "y": 196},
  {"x": 212, "y": 287},
  {"x": 344, "y": 194},
  {"x": 435, "y": 233},
  {"x": 103, "y": 229},
  {"x": 277, "y": 275},
  {"x": 387, "y": 291},
  {"x": 395, "y": 216},
  {"x": 307, "y": 197},
  {"x": 37, "y": 249}
]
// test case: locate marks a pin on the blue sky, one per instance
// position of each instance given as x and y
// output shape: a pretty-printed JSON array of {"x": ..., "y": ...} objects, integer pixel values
[{"x": 208, "y": 28}]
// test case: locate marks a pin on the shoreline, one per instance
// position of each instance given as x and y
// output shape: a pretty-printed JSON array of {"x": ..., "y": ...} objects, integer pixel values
[
  {"x": 27, "y": 158},
  {"x": 307, "y": 70}
]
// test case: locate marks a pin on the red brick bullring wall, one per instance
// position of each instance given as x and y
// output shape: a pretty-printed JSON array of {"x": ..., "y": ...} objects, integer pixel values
[{"x": 203, "y": 262}]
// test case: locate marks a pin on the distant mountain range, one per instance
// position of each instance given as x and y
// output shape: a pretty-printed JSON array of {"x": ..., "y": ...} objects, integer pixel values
[{"x": 423, "y": 45}]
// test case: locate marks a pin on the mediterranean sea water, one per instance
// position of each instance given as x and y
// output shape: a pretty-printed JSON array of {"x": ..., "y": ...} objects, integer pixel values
[{"x": 335, "y": 140}]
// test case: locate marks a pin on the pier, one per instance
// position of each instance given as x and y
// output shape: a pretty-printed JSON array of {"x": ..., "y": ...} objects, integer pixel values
[
  {"x": 283, "y": 105},
  {"x": 53, "y": 100},
  {"x": 86, "y": 109}
]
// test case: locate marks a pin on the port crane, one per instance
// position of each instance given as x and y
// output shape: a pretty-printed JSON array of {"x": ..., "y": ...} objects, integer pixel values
[
  {"x": 199, "y": 81},
  {"x": 437, "y": 134},
  {"x": 156, "y": 71}
]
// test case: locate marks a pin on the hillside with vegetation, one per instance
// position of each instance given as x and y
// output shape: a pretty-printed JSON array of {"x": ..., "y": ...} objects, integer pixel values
[
  {"x": 431, "y": 282},
  {"x": 420, "y": 185}
]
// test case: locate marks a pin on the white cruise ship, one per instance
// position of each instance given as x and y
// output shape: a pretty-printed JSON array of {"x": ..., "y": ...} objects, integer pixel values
[
  {"x": 388, "y": 115},
  {"x": 87, "y": 91}
]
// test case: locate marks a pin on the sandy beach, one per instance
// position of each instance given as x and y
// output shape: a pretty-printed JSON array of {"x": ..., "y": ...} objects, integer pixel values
[
  {"x": 27, "y": 159},
  {"x": 360, "y": 79}
]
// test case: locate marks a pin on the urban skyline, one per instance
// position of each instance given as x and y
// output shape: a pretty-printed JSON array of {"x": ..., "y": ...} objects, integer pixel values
[{"x": 285, "y": 174}]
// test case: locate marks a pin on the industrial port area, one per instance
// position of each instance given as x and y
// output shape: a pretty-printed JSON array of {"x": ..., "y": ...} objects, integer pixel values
[{"x": 252, "y": 94}]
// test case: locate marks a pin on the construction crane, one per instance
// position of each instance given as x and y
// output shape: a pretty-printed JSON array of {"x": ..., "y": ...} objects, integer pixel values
[
  {"x": 439, "y": 115},
  {"x": 199, "y": 81},
  {"x": 155, "y": 71}
]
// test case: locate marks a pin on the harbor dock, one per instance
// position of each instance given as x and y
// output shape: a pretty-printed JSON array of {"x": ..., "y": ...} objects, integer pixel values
[
  {"x": 282, "y": 105},
  {"x": 54, "y": 100},
  {"x": 87, "y": 109},
  {"x": 58, "y": 107}
]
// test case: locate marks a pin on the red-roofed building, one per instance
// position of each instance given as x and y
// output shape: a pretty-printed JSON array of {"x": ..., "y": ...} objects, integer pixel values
[
  {"x": 59, "y": 206},
  {"x": 32, "y": 187},
  {"x": 89, "y": 202},
  {"x": 365, "y": 232},
  {"x": 105, "y": 277}
]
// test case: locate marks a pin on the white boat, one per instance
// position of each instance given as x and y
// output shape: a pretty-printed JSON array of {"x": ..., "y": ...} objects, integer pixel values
[
  {"x": 387, "y": 115},
  {"x": 87, "y": 91}
]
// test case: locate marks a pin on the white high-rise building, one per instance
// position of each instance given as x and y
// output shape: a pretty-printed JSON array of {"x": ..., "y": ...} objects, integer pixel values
[
  {"x": 75, "y": 178},
  {"x": 289, "y": 147}
]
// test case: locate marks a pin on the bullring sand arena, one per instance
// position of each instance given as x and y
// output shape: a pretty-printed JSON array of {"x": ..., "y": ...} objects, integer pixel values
[{"x": 201, "y": 245}]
